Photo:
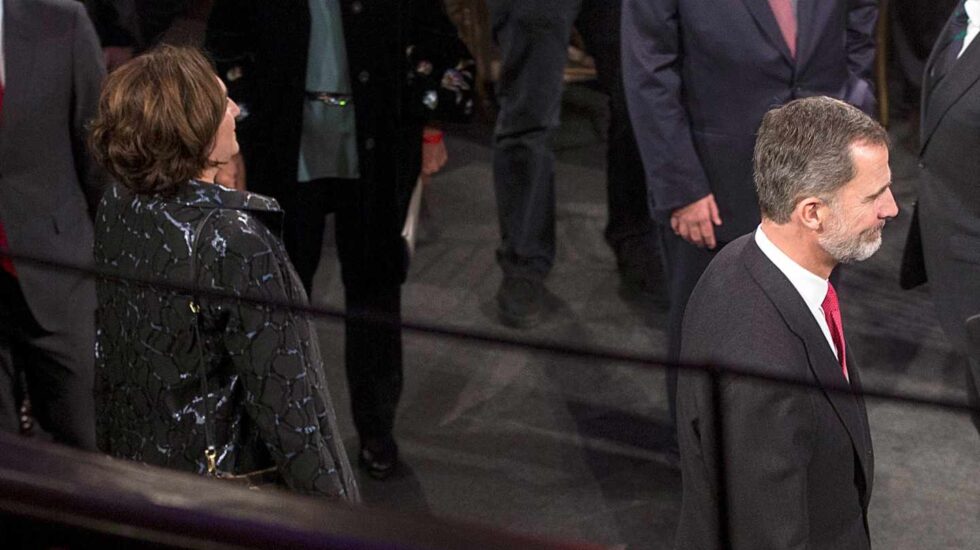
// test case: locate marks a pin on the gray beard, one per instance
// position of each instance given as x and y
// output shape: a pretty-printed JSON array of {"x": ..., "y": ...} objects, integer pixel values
[{"x": 847, "y": 249}]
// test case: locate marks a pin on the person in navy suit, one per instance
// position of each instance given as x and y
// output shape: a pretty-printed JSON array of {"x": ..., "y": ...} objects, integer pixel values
[{"x": 699, "y": 75}]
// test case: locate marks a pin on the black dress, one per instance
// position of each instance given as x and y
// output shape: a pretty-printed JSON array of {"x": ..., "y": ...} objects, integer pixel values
[{"x": 263, "y": 364}]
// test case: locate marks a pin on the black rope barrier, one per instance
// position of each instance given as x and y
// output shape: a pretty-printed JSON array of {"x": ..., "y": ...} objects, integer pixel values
[{"x": 490, "y": 338}]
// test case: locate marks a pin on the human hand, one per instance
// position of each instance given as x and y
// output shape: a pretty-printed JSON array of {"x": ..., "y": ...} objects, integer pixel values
[
  {"x": 434, "y": 154},
  {"x": 232, "y": 173},
  {"x": 116, "y": 56},
  {"x": 695, "y": 222}
]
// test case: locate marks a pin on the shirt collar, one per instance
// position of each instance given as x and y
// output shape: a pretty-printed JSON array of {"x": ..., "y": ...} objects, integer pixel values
[
  {"x": 972, "y": 8},
  {"x": 811, "y": 287}
]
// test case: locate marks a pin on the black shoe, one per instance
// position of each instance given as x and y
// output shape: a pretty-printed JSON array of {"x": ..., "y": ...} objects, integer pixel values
[
  {"x": 379, "y": 457},
  {"x": 520, "y": 302}
]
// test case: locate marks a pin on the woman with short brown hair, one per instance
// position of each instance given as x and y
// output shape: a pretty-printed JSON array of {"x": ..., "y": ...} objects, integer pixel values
[{"x": 212, "y": 381}]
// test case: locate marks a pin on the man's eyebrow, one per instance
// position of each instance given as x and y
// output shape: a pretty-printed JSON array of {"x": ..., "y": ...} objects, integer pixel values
[{"x": 879, "y": 192}]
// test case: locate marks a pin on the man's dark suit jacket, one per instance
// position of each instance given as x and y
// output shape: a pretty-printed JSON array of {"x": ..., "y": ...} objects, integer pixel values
[
  {"x": 798, "y": 461},
  {"x": 949, "y": 184},
  {"x": 700, "y": 74},
  {"x": 48, "y": 187}
]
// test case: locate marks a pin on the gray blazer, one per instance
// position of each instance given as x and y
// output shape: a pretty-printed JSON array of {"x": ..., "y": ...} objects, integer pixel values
[
  {"x": 798, "y": 462},
  {"x": 48, "y": 186}
]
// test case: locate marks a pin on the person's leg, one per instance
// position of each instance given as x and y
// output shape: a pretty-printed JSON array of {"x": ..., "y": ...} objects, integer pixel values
[
  {"x": 630, "y": 230},
  {"x": 9, "y": 394},
  {"x": 305, "y": 206},
  {"x": 58, "y": 369},
  {"x": 373, "y": 345},
  {"x": 533, "y": 40},
  {"x": 685, "y": 264},
  {"x": 973, "y": 389},
  {"x": 60, "y": 372}
]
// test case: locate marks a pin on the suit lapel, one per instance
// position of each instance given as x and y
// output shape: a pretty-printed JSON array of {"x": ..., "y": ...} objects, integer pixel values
[
  {"x": 824, "y": 365},
  {"x": 928, "y": 79},
  {"x": 18, "y": 56},
  {"x": 763, "y": 16},
  {"x": 959, "y": 77}
]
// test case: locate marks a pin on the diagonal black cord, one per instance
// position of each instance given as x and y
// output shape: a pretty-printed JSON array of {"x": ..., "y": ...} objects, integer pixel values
[{"x": 490, "y": 338}]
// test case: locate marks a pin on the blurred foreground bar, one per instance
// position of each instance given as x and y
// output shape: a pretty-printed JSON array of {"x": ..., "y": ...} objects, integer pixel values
[{"x": 52, "y": 496}]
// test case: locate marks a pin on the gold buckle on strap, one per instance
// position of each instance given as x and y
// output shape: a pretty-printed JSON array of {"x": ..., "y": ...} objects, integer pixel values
[{"x": 212, "y": 456}]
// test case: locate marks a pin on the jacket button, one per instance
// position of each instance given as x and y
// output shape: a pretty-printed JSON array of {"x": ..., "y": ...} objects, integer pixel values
[
  {"x": 922, "y": 165},
  {"x": 356, "y": 7},
  {"x": 369, "y": 144},
  {"x": 363, "y": 77}
]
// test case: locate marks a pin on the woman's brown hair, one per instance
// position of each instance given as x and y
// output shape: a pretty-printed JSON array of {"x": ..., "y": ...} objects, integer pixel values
[{"x": 157, "y": 120}]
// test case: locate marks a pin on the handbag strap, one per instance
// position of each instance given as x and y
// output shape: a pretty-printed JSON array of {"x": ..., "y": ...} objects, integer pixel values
[{"x": 210, "y": 452}]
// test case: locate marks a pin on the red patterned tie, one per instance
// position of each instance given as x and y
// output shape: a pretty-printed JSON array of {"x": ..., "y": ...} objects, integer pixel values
[
  {"x": 6, "y": 263},
  {"x": 783, "y": 10},
  {"x": 831, "y": 310}
]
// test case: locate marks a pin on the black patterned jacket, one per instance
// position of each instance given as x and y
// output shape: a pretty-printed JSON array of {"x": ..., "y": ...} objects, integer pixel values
[{"x": 264, "y": 368}]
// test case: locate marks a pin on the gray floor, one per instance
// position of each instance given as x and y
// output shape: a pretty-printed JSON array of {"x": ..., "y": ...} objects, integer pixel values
[{"x": 571, "y": 448}]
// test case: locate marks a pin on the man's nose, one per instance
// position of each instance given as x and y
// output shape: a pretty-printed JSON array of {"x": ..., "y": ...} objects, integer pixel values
[{"x": 889, "y": 207}]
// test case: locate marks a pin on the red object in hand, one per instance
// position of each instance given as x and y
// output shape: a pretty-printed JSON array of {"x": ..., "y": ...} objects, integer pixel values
[{"x": 434, "y": 137}]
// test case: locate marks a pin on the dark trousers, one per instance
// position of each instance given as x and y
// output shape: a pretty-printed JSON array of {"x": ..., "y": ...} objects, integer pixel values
[
  {"x": 685, "y": 264},
  {"x": 372, "y": 352},
  {"x": 533, "y": 39},
  {"x": 973, "y": 389},
  {"x": 54, "y": 369}
]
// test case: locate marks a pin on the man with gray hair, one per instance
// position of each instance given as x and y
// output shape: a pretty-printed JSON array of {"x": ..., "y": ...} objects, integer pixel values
[{"x": 775, "y": 465}]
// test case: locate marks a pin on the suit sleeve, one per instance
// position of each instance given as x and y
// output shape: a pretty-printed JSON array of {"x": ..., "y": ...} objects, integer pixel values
[
  {"x": 652, "y": 76},
  {"x": 230, "y": 40},
  {"x": 443, "y": 72},
  {"x": 110, "y": 29},
  {"x": 88, "y": 74},
  {"x": 862, "y": 18},
  {"x": 273, "y": 351}
]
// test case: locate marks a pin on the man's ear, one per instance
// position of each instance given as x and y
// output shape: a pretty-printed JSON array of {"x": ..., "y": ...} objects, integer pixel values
[{"x": 811, "y": 213}]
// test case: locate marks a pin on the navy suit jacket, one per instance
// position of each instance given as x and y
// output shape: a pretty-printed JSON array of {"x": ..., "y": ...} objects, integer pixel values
[{"x": 700, "y": 74}]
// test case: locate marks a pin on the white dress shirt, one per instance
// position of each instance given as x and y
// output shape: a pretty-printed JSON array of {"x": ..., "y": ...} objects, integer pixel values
[
  {"x": 973, "y": 27},
  {"x": 811, "y": 287}
]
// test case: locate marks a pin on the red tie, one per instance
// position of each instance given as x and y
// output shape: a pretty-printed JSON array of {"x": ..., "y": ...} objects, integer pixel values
[
  {"x": 783, "y": 10},
  {"x": 831, "y": 310},
  {"x": 6, "y": 263}
]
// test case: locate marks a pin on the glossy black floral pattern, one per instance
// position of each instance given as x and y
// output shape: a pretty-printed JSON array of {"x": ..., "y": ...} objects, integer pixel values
[{"x": 264, "y": 369}]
